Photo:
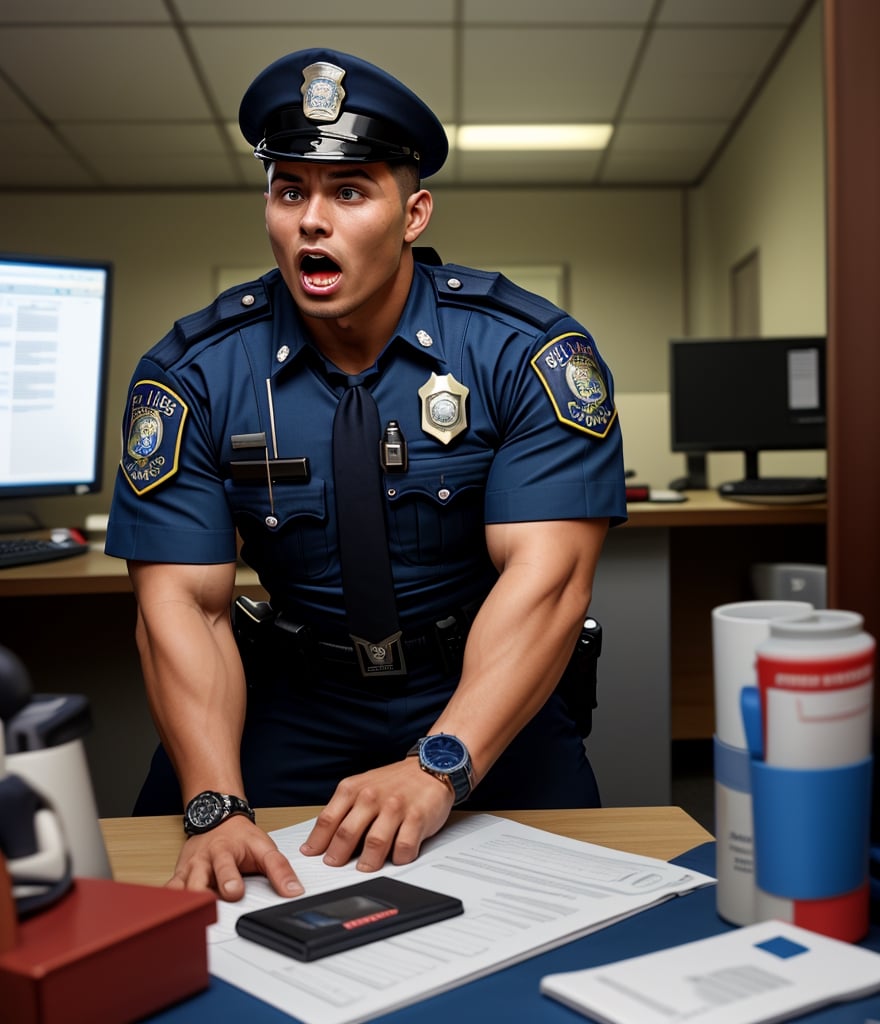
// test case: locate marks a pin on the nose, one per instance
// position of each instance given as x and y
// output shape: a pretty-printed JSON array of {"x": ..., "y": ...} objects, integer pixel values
[{"x": 315, "y": 219}]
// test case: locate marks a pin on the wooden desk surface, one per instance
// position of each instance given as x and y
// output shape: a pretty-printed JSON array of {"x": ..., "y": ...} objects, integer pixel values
[
  {"x": 97, "y": 573},
  {"x": 144, "y": 850},
  {"x": 708, "y": 508}
]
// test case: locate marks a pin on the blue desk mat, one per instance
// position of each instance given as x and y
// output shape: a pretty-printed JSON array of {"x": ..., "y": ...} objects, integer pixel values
[{"x": 511, "y": 995}]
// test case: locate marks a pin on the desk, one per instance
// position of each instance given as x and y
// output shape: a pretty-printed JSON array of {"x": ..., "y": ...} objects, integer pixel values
[
  {"x": 658, "y": 579},
  {"x": 144, "y": 850}
]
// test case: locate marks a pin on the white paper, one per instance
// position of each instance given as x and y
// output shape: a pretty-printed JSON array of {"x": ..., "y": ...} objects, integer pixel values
[
  {"x": 524, "y": 890},
  {"x": 770, "y": 971}
]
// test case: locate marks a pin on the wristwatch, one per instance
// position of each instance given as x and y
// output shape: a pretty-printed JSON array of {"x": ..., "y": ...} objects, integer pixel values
[
  {"x": 446, "y": 758},
  {"x": 209, "y": 809}
]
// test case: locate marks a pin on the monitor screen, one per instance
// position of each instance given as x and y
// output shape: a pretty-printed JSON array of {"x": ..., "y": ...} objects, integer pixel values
[
  {"x": 747, "y": 395},
  {"x": 54, "y": 340}
]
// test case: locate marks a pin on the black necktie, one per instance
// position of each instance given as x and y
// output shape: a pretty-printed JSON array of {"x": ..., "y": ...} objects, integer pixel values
[{"x": 367, "y": 585}]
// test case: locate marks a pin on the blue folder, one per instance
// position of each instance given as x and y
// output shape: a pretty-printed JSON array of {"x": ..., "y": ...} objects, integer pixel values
[{"x": 512, "y": 994}]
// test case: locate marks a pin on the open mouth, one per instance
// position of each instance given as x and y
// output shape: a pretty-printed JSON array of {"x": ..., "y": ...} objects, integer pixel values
[{"x": 319, "y": 272}]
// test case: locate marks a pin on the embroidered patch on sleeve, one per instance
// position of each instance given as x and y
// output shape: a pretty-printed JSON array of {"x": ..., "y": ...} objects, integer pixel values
[
  {"x": 572, "y": 375},
  {"x": 153, "y": 432}
]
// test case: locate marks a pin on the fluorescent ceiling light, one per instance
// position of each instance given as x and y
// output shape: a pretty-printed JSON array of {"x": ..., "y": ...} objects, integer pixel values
[{"x": 529, "y": 136}]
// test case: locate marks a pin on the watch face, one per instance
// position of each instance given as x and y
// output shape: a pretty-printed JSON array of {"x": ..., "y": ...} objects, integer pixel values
[
  {"x": 204, "y": 810},
  {"x": 445, "y": 753}
]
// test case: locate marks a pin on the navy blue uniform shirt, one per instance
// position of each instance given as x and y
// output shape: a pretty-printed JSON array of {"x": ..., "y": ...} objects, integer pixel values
[{"x": 541, "y": 440}]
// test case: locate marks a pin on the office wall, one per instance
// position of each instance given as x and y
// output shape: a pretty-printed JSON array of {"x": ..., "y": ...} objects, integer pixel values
[{"x": 767, "y": 194}]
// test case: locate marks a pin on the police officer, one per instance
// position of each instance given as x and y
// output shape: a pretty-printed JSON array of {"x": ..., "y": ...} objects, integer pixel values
[{"x": 391, "y": 674}]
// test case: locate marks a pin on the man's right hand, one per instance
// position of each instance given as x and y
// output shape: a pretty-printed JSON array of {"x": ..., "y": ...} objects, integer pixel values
[{"x": 218, "y": 859}]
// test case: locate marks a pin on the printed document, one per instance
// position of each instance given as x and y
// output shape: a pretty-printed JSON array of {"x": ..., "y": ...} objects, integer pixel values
[
  {"x": 764, "y": 972},
  {"x": 524, "y": 891}
]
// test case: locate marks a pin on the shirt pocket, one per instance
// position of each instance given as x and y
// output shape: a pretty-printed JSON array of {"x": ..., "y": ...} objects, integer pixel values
[
  {"x": 297, "y": 546},
  {"x": 436, "y": 510}
]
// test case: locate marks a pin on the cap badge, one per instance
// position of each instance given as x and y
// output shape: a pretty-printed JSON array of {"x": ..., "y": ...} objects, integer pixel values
[
  {"x": 322, "y": 91},
  {"x": 444, "y": 414}
]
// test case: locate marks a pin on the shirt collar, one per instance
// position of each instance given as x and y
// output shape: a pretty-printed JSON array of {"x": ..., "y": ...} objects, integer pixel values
[{"x": 418, "y": 327}]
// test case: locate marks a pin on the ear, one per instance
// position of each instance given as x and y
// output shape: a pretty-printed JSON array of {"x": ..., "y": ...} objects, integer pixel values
[{"x": 419, "y": 207}]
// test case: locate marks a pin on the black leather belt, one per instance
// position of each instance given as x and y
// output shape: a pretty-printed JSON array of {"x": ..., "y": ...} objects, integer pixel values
[{"x": 259, "y": 626}]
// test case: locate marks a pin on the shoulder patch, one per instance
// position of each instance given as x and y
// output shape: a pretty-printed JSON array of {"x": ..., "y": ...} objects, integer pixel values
[
  {"x": 153, "y": 432},
  {"x": 570, "y": 370}
]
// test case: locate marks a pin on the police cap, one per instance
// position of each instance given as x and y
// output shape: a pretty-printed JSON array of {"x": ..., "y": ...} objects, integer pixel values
[{"x": 328, "y": 106}]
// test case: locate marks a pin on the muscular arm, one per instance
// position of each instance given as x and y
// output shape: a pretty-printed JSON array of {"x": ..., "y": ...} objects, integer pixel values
[
  {"x": 525, "y": 632},
  {"x": 196, "y": 691},
  {"x": 516, "y": 651}
]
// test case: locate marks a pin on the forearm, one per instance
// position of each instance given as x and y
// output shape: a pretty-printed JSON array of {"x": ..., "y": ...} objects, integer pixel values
[
  {"x": 523, "y": 637},
  {"x": 194, "y": 680}
]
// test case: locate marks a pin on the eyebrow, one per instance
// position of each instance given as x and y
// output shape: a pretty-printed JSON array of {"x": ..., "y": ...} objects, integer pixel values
[{"x": 334, "y": 175}]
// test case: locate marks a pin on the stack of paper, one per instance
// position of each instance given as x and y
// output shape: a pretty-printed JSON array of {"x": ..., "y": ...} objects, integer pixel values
[
  {"x": 761, "y": 973},
  {"x": 523, "y": 890}
]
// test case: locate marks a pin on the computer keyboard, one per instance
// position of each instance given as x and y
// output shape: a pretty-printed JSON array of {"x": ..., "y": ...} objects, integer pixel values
[
  {"x": 770, "y": 489},
  {"x": 27, "y": 550}
]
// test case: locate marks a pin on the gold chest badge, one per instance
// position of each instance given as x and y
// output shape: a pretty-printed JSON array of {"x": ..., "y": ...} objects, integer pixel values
[{"x": 444, "y": 407}]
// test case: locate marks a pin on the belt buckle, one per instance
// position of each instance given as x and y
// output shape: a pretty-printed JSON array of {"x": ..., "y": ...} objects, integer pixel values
[{"x": 384, "y": 657}]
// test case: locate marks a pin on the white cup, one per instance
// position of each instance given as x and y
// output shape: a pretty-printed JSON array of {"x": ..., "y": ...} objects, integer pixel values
[{"x": 737, "y": 629}]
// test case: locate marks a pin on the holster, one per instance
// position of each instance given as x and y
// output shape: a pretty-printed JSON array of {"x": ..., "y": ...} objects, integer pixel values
[{"x": 578, "y": 686}]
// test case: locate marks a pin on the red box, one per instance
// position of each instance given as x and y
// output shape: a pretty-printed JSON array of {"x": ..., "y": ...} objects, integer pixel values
[{"x": 109, "y": 952}]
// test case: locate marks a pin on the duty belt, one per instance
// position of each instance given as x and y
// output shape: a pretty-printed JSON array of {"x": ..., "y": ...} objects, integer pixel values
[{"x": 258, "y": 625}]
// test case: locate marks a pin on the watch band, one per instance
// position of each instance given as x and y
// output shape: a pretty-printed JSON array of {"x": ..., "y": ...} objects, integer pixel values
[{"x": 209, "y": 809}]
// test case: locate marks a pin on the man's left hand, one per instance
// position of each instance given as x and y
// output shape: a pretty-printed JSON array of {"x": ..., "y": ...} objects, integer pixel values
[{"x": 385, "y": 814}]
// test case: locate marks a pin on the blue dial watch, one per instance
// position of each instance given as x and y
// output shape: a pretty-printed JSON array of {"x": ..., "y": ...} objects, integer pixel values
[{"x": 446, "y": 758}]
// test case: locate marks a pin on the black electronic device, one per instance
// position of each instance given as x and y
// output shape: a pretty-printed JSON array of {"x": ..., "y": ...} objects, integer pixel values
[
  {"x": 54, "y": 349},
  {"x": 315, "y": 926},
  {"x": 748, "y": 395}
]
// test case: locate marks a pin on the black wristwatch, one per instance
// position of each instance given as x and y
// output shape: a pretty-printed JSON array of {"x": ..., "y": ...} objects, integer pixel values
[
  {"x": 209, "y": 809},
  {"x": 446, "y": 758}
]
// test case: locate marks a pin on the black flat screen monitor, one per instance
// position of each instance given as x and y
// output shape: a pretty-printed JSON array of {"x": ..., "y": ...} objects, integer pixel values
[
  {"x": 746, "y": 395},
  {"x": 54, "y": 341}
]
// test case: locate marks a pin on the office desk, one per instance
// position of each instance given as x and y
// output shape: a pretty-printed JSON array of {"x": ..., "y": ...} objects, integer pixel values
[
  {"x": 658, "y": 579},
  {"x": 144, "y": 850}
]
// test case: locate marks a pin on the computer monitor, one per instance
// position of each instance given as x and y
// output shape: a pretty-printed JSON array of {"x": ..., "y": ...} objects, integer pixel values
[
  {"x": 746, "y": 395},
  {"x": 54, "y": 343}
]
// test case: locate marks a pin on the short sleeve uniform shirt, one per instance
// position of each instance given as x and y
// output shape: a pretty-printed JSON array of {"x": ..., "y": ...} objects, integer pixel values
[{"x": 503, "y": 402}]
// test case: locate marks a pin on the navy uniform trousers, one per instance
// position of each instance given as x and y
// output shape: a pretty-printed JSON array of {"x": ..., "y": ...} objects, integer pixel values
[{"x": 302, "y": 737}]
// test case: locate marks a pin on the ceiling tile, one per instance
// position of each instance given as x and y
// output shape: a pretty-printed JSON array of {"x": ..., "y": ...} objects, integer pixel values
[
  {"x": 12, "y": 107},
  {"x": 89, "y": 73},
  {"x": 661, "y": 152},
  {"x": 549, "y": 12},
  {"x": 31, "y": 156},
  {"x": 743, "y": 12},
  {"x": 164, "y": 171},
  {"x": 700, "y": 73},
  {"x": 61, "y": 12},
  {"x": 545, "y": 76},
  {"x": 420, "y": 57},
  {"x": 331, "y": 12},
  {"x": 528, "y": 168}
]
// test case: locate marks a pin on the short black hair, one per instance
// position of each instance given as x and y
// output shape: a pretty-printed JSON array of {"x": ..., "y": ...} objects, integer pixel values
[{"x": 406, "y": 174}]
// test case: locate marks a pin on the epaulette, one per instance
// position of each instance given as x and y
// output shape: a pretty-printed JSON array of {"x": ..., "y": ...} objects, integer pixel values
[
  {"x": 241, "y": 304},
  {"x": 482, "y": 289}
]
